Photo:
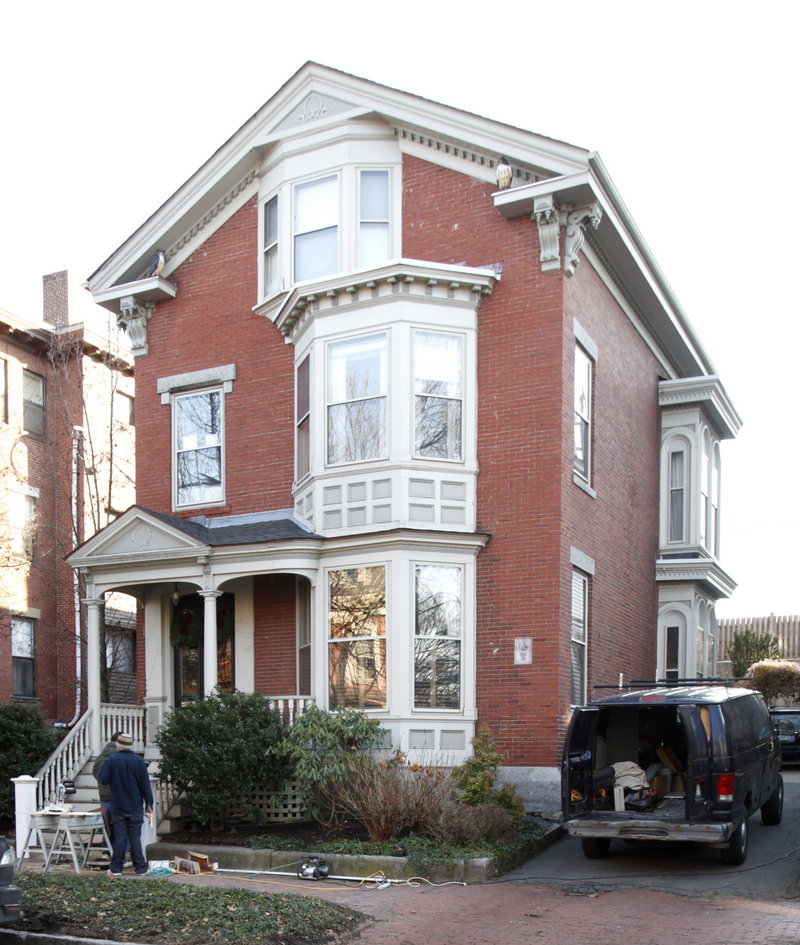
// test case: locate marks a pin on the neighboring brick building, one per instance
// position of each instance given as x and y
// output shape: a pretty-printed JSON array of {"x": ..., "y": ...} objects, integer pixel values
[
  {"x": 63, "y": 389},
  {"x": 409, "y": 442}
]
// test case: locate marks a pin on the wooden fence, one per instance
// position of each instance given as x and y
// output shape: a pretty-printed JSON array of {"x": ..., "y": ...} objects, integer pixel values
[{"x": 786, "y": 629}]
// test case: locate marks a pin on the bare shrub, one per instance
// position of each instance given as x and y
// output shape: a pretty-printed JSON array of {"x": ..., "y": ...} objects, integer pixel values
[
  {"x": 462, "y": 824},
  {"x": 777, "y": 680},
  {"x": 391, "y": 798}
]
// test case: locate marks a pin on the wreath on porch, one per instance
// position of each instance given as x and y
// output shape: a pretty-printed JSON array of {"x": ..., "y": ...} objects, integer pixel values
[{"x": 186, "y": 625}]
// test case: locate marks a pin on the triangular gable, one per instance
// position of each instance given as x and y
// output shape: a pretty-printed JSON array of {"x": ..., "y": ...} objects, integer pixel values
[
  {"x": 135, "y": 534},
  {"x": 313, "y": 96}
]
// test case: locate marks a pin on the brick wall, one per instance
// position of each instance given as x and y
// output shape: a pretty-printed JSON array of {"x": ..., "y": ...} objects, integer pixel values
[
  {"x": 275, "y": 634},
  {"x": 217, "y": 288},
  {"x": 527, "y": 501}
]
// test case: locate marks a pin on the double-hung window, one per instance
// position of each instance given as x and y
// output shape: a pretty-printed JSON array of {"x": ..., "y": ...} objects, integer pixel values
[
  {"x": 271, "y": 280},
  {"x": 357, "y": 399},
  {"x": 316, "y": 228},
  {"x": 579, "y": 636},
  {"x": 357, "y": 638},
  {"x": 199, "y": 466},
  {"x": 23, "y": 661},
  {"x": 437, "y": 637},
  {"x": 438, "y": 395},
  {"x": 373, "y": 231},
  {"x": 33, "y": 403},
  {"x": 302, "y": 416},
  {"x": 583, "y": 414},
  {"x": 677, "y": 495}
]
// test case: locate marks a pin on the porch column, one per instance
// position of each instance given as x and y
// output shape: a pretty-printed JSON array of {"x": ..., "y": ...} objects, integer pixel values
[
  {"x": 209, "y": 639},
  {"x": 94, "y": 610}
]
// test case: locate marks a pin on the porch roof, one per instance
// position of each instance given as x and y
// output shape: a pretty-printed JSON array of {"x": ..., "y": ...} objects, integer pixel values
[{"x": 236, "y": 529}]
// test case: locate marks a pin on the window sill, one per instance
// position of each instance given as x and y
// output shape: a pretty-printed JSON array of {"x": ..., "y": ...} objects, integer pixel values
[{"x": 584, "y": 485}]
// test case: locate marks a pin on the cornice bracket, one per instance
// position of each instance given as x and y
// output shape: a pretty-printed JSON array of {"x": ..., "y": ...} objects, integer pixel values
[
  {"x": 546, "y": 215},
  {"x": 133, "y": 316},
  {"x": 576, "y": 222}
]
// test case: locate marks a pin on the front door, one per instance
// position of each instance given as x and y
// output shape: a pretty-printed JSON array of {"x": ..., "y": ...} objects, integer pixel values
[{"x": 186, "y": 633}]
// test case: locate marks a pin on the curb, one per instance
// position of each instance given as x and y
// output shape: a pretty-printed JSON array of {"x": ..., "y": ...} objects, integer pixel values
[{"x": 266, "y": 860}]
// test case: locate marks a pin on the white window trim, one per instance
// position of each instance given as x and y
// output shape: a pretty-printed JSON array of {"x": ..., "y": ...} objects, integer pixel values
[
  {"x": 348, "y": 178},
  {"x": 386, "y": 333},
  {"x": 585, "y": 641},
  {"x": 206, "y": 503},
  {"x": 206, "y": 380},
  {"x": 417, "y": 330},
  {"x": 579, "y": 477},
  {"x": 461, "y": 638}
]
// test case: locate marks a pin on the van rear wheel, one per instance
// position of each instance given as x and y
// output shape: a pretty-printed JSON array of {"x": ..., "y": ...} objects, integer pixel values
[
  {"x": 736, "y": 851},
  {"x": 595, "y": 848},
  {"x": 772, "y": 811}
]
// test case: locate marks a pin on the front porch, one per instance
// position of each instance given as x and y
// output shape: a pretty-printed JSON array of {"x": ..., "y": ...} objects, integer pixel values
[{"x": 72, "y": 762}]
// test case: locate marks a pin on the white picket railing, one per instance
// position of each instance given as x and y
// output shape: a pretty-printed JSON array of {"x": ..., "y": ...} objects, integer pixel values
[
  {"x": 65, "y": 763},
  {"x": 786, "y": 629},
  {"x": 123, "y": 718}
]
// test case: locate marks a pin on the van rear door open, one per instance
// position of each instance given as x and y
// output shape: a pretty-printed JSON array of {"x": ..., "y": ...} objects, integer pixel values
[
  {"x": 698, "y": 762},
  {"x": 578, "y": 762}
]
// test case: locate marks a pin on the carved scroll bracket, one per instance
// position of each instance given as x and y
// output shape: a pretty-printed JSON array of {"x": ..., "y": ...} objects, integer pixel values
[
  {"x": 133, "y": 317},
  {"x": 546, "y": 215},
  {"x": 576, "y": 220}
]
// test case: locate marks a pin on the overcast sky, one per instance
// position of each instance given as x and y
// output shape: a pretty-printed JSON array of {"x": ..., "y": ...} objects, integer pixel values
[{"x": 106, "y": 108}]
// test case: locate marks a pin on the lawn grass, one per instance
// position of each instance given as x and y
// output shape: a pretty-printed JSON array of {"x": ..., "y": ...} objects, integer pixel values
[{"x": 156, "y": 910}]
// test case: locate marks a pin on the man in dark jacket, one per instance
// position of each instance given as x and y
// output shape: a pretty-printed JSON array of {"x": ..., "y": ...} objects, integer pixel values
[
  {"x": 126, "y": 774},
  {"x": 105, "y": 789}
]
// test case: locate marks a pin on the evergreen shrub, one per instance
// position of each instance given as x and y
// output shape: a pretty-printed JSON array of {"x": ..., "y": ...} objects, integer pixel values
[
  {"x": 219, "y": 750},
  {"x": 26, "y": 742}
]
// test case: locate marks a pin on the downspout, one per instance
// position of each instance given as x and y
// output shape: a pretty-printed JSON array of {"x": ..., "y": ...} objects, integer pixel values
[{"x": 77, "y": 442}]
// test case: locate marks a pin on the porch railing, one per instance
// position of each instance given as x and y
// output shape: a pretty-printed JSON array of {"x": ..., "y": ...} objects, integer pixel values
[
  {"x": 123, "y": 718},
  {"x": 65, "y": 763}
]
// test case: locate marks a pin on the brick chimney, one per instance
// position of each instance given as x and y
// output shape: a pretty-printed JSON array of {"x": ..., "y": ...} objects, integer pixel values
[{"x": 55, "y": 309}]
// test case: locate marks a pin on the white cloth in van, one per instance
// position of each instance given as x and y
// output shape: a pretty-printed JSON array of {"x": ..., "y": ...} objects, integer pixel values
[{"x": 628, "y": 774}]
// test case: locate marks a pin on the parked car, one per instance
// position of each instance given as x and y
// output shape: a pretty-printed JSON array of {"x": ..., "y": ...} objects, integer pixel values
[
  {"x": 786, "y": 720},
  {"x": 10, "y": 894},
  {"x": 689, "y": 762}
]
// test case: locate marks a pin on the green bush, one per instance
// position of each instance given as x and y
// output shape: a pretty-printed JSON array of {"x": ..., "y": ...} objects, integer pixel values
[
  {"x": 26, "y": 742},
  {"x": 321, "y": 748},
  {"x": 476, "y": 777},
  {"x": 748, "y": 647},
  {"x": 220, "y": 749}
]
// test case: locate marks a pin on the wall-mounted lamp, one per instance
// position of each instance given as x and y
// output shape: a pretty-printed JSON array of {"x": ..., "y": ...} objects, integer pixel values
[{"x": 176, "y": 597}]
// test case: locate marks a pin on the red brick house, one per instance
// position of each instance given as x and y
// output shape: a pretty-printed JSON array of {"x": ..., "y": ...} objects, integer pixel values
[
  {"x": 66, "y": 469},
  {"x": 408, "y": 441}
]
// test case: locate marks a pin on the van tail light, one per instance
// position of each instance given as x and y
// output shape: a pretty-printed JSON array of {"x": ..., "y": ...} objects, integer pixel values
[{"x": 725, "y": 787}]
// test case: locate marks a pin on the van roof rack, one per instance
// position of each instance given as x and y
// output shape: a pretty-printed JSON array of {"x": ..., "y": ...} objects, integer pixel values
[{"x": 673, "y": 683}]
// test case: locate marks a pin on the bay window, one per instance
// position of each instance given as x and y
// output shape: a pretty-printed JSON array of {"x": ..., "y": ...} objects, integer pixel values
[
  {"x": 271, "y": 280},
  {"x": 437, "y": 395},
  {"x": 198, "y": 425},
  {"x": 316, "y": 229},
  {"x": 373, "y": 233},
  {"x": 357, "y": 638},
  {"x": 357, "y": 399},
  {"x": 302, "y": 416},
  {"x": 677, "y": 493},
  {"x": 437, "y": 637}
]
